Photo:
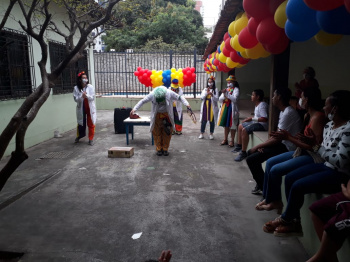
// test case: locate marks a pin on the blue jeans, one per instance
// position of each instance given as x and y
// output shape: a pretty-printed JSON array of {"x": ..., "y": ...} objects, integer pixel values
[
  {"x": 212, "y": 126},
  {"x": 276, "y": 168},
  {"x": 312, "y": 178}
]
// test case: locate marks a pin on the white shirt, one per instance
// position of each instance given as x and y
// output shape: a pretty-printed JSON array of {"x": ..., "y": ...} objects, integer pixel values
[
  {"x": 262, "y": 110},
  {"x": 290, "y": 121}
]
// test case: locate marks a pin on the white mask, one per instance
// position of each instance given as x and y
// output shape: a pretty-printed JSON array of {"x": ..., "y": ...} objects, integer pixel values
[
  {"x": 301, "y": 103},
  {"x": 330, "y": 115},
  {"x": 85, "y": 81},
  {"x": 229, "y": 85},
  {"x": 210, "y": 84}
]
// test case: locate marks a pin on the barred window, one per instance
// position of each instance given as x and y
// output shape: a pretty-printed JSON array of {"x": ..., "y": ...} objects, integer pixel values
[
  {"x": 16, "y": 70},
  {"x": 67, "y": 80}
]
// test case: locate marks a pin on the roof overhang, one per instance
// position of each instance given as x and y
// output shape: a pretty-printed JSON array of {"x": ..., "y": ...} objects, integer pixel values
[{"x": 227, "y": 15}]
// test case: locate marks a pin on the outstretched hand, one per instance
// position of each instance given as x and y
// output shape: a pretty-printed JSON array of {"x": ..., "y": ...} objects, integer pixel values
[{"x": 165, "y": 256}]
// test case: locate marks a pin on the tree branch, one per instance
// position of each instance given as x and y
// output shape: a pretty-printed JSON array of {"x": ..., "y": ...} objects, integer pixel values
[{"x": 7, "y": 14}]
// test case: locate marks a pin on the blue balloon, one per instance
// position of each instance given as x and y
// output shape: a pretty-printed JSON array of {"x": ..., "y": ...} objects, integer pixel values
[
  {"x": 336, "y": 21},
  {"x": 299, "y": 13},
  {"x": 301, "y": 32}
]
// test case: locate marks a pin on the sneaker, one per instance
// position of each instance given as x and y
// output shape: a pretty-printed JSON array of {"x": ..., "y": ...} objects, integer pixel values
[
  {"x": 159, "y": 153},
  {"x": 76, "y": 140},
  {"x": 178, "y": 132},
  {"x": 201, "y": 136},
  {"x": 241, "y": 156},
  {"x": 91, "y": 142},
  {"x": 165, "y": 153},
  {"x": 257, "y": 191},
  {"x": 237, "y": 149},
  {"x": 211, "y": 137}
]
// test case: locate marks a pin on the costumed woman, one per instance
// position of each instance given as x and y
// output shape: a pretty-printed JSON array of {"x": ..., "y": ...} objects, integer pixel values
[
  {"x": 229, "y": 114},
  {"x": 162, "y": 116},
  {"x": 209, "y": 107},
  {"x": 84, "y": 96},
  {"x": 177, "y": 107}
]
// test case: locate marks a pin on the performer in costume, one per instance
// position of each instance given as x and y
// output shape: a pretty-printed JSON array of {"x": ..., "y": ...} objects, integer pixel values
[
  {"x": 84, "y": 96},
  {"x": 177, "y": 107},
  {"x": 229, "y": 114},
  {"x": 209, "y": 107},
  {"x": 162, "y": 116}
]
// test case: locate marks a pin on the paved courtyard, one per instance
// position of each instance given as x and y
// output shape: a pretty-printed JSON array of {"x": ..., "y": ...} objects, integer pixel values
[{"x": 70, "y": 202}]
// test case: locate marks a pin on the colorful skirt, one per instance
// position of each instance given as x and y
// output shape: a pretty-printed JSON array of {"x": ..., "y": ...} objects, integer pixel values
[
  {"x": 208, "y": 114},
  {"x": 177, "y": 120},
  {"x": 225, "y": 117}
]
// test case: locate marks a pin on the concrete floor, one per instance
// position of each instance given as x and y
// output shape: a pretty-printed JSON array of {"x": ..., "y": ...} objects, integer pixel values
[{"x": 86, "y": 207}]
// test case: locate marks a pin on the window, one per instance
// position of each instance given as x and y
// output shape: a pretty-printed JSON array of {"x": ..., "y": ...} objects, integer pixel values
[
  {"x": 67, "y": 80},
  {"x": 15, "y": 67}
]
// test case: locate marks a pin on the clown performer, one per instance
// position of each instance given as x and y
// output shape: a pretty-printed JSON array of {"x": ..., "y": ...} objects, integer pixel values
[
  {"x": 229, "y": 114},
  {"x": 84, "y": 96},
  {"x": 209, "y": 107},
  {"x": 177, "y": 107},
  {"x": 162, "y": 116}
]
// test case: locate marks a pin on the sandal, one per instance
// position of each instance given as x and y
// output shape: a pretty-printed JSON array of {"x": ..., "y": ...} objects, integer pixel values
[
  {"x": 291, "y": 229},
  {"x": 224, "y": 142},
  {"x": 258, "y": 205},
  {"x": 271, "y": 226},
  {"x": 271, "y": 206},
  {"x": 231, "y": 144}
]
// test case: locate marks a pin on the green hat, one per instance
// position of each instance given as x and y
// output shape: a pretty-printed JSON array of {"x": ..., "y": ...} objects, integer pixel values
[{"x": 159, "y": 93}]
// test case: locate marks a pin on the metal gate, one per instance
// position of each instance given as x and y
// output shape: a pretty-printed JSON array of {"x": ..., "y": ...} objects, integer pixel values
[{"x": 114, "y": 71}]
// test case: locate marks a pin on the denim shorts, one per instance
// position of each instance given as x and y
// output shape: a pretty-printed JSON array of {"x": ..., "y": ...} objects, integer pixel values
[{"x": 250, "y": 127}]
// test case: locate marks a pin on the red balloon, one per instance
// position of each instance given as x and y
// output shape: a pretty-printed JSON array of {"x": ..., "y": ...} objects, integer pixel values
[
  {"x": 324, "y": 5},
  {"x": 225, "y": 52},
  {"x": 279, "y": 46},
  {"x": 226, "y": 36},
  {"x": 136, "y": 73},
  {"x": 347, "y": 5},
  {"x": 216, "y": 62},
  {"x": 268, "y": 32},
  {"x": 246, "y": 39},
  {"x": 253, "y": 25},
  {"x": 259, "y": 9},
  {"x": 193, "y": 69},
  {"x": 235, "y": 57},
  {"x": 228, "y": 45},
  {"x": 139, "y": 68}
]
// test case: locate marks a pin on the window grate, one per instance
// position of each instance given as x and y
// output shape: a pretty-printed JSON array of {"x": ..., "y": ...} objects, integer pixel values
[
  {"x": 16, "y": 65},
  {"x": 67, "y": 80}
]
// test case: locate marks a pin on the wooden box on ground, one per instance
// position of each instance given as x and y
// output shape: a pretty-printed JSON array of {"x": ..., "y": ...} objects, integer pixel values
[{"x": 118, "y": 152}]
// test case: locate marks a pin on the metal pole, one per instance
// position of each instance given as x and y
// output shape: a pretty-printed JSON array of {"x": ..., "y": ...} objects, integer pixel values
[{"x": 195, "y": 70}]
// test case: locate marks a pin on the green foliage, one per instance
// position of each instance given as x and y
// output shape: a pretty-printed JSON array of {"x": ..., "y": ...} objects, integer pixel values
[{"x": 158, "y": 24}]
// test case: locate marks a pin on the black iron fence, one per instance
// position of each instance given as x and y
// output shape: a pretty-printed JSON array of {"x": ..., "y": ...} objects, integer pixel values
[{"x": 114, "y": 71}]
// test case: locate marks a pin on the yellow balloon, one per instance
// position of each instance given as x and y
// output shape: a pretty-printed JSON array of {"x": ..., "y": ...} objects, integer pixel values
[
  {"x": 240, "y": 65},
  {"x": 172, "y": 70},
  {"x": 222, "y": 58},
  {"x": 244, "y": 54},
  {"x": 326, "y": 39},
  {"x": 240, "y": 24},
  {"x": 256, "y": 52},
  {"x": 231, "y": 29},
  {"x": 235, "y": 44},
  {"x": 239, "y": 15},
  {"x": 230, "y": 63},
  {"x": 222, "y": 46},
  {"x": 281, "y": 15},
  {"x": 217, "y": 55}
]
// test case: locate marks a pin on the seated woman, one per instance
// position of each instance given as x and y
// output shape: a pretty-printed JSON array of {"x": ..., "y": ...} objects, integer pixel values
[
  {"x": 280, "y": 165},
  {"x": 331, "y": 217},
  {"x": 322, "y": 178}
]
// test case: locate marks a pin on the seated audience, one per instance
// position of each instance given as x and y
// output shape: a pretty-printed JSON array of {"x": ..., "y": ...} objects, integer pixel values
[
  {"x": 280, "y": 165},
  {"x": 308, "y": 81},
  {"x": 290, "y": 121},
  {"x": 250, "y": 124},
  {"x": 322, "y": 178},
  {"x": 331, "y": 218}
]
